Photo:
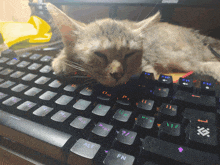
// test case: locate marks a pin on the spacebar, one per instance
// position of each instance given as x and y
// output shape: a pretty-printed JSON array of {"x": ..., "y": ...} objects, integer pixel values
[
  {"x": 179, "y": 153},
  {"x": 41, "y": 138}
]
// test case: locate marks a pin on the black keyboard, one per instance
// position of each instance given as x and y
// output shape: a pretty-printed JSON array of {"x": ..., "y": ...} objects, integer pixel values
[{"x": 69, "y": 121}]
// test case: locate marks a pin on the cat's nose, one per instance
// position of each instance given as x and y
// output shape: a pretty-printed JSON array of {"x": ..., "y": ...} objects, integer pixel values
[{"x": 116, "y": 76}]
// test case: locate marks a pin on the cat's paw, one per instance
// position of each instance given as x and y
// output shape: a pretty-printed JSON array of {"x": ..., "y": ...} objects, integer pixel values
[{"x": 58, "y": 66}]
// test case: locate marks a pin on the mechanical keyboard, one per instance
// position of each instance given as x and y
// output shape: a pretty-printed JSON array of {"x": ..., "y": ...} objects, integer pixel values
[{"x": 143, "y": 122}]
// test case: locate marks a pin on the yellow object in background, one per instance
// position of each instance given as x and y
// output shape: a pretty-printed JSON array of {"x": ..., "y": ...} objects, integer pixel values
[{"x": 36, "y": 30}]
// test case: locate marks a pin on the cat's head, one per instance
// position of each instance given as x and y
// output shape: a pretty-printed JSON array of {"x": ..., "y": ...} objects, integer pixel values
[{"x": 109, "y": 50}]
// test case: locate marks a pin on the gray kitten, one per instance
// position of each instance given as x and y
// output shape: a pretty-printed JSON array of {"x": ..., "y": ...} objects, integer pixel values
[{"x": 111, "y": 51}]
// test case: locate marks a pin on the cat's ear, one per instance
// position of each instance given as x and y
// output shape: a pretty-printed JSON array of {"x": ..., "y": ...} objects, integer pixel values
[
  {"x": 67, "y": 26},
  {"x": 146, "y": 23}
]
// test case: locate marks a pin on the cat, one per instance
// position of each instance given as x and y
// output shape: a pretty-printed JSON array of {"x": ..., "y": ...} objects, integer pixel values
[{"x": 111, "y": 51}]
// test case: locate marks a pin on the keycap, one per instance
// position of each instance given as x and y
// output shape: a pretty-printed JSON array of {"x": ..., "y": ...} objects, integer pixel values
[
  {"x": 17, "y": 74},
  {"x": 42, "y": 111},
  {"x": 55, "y": 84},
  {"x": 60, "y": 116},
  {"x": 33, "y": 91},
  {"x": 42, "y": 80},
  {"x": 202, "y": 133},
  {"x": 102, "y": 129},
  {"x": 81, "y": 104},
  {"x": 118, "y": 158},
  {"x": 145, "y": 121},
  {"x": 64, "y": 100},
  {"x": 19, "y": 88},
  {"x": 29, "y": 77},
  {"x": 49, "y": 141},
  {"x": 70, "y": 87},
  {"x": 26, "y": 106},
  {"x": 101, "y": 109},
  {"x": 85, "y": 148},
  {"x": 48, "y": 95},
  {"x": 11, "y": 101},
  {"x": 45, "y": 69},
  {"x": 80, "y": 122},
  {"x": 86, "y": 91},
  {"x": 23, "y": 64},
  {"x": 199, "y": 116},
  {"x": 179, "y": 153},
  {"x": 194, "y": 99},
  {"x": 161, "y": 92},
  {"x": 122, "y": 115},
  {"x": 170, "y": 128},
  {"x": 146, "y": 104},
  {"x": 7, "y": 84}
]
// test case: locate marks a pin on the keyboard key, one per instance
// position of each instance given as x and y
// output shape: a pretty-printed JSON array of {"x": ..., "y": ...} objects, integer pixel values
[
  {"x": 188, "y": 83},
  {"x": 42, "y": 80},
  {"x": 29, "y": 77},
  {"x": 195, "y": 99},
  {"x": 86, "y": 91},
  {"x": 24, "y": 55},
  {"x": 11, "y": 101},
  {"x": 105, "y": 95},
  {"x": 35, "y": 56},
  {"x": 126, "y": 136},
  {"x": 197, "y": 116},
  {"x": 80, "y": 122},
  {"x": 55, "y": 84},
  {"x": 46, "y": 58},
  {"x": 3, "y": 59},
  {"x": 118, "y": 158},
  {"x": 168, "y": 109},
  {"x": 7, "y": 84},
  {"x": 202, "y": 133},
  {"x": 170, "y": 128},
  {"x": 81, "y": 104},
  {"x": 19, "y": 88},
  {"x": 6, "y": 71},
  {"x": 101, "y": 109},
  {"x": 145, "y": 121},
  {"x": 42, "y": 111},
  {"x": 122, "y": 115},
  {"x": 23, "y": 64},
  {"x": 17, "y": 74},
  {"x": 2, "y": 95},
  {"x": 46, "y": 69},
  {"x": 27, "y": 105},
  {"x": 161, "y": 92},
  {"x": 146, "y": 104},
  {"x": 60, "y": 116},
  {"x": 124, "y": 100},
  {"x": 44, "y": 137},
  {"x": 102, "y": 129},
  {"x": 33, "y": 91},
  {"x": 34, "y": 66},
  {"x": 64, "y": 100},
  {"x": 165, "y": 79},
  {"x": 47, "y": 95},
  {"x": 13, "y": 61},
  {"x": 70, "y": 87},
  {"x": 85, "y": 148},
  {"x": 179, "y": 153}
]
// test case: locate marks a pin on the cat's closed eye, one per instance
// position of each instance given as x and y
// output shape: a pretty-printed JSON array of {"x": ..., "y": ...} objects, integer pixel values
[
  {"x": 101, "y": 55},
  {"x": 129, "y": 54}
]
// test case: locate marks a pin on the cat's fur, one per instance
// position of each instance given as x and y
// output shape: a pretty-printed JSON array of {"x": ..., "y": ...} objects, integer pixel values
[{"x": 111, "y": 51}]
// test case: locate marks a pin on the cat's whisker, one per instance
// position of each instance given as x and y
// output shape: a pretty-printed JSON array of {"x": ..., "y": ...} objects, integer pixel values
[
  {"x": 151, "y": 10},
  {"x": 75, "y": 67}
]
